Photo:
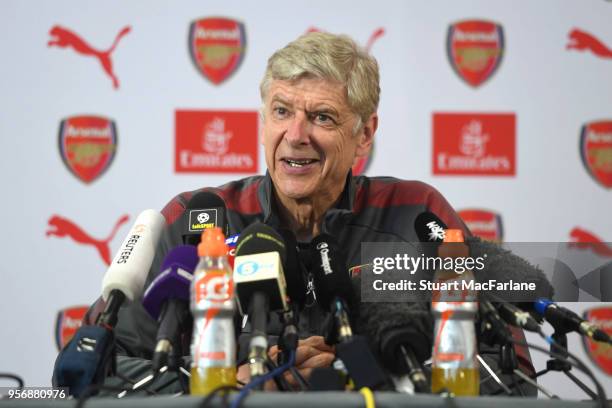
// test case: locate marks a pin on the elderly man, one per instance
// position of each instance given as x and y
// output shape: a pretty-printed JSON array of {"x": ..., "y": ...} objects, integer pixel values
[{"x": 320, "y": 97}]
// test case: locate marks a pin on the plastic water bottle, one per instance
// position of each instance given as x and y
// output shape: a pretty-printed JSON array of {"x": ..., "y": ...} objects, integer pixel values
[
  {"x": 213, "y": 347},
  {"x": 454, "y": 356}
]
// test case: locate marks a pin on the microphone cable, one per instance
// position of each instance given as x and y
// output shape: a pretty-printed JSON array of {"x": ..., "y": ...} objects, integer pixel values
[
  {"x": 295, "y": 373},
  {"x": 261, "y": 380},
  {"x": 304, "y": 386},
  {"x": 368, "y": 397},
  {"x": 92, "y": 389},
  {"x": 280, "y": 381},
  {"x": 14, "y": 377},
  {"x": 224, "y": 388},
  {"x": 601, "y": 393}
]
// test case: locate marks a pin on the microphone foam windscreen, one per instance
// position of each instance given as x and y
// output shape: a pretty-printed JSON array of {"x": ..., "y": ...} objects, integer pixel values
[
  {"x": 174, "y": 281},
  {"x": 390, "y": 324},
  {"x": 502, "y": 265}
]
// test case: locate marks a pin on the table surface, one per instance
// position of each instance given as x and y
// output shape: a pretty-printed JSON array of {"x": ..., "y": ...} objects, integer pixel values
[{"x": 310, "y": 400}]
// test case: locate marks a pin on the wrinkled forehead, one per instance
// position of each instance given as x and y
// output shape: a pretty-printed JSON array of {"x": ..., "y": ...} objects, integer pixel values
[{"x": 308, "y": 91}]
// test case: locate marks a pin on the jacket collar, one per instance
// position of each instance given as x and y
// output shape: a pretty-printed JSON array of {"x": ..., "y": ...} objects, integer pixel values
[{"x": 265, "y": 194}]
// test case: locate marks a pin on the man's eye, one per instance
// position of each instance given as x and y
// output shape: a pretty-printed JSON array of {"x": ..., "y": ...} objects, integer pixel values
[
  {"x": 280, "y": 111},
  {"x": 323, "y": 118}
]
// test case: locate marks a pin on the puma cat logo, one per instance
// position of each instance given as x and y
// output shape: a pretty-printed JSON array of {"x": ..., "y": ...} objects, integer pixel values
[
  {"x": 63, "y": 38},
  {"x": 62, "y": 227}
]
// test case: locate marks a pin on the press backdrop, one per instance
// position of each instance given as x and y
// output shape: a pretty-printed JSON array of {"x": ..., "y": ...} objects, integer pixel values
[{"x": 109, "y": 108}]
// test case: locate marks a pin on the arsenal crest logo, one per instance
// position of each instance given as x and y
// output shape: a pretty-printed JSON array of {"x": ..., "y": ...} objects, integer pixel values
[
  {"x": 217, "y": 47},
  {"x": 596, "y": 151},
  {"x": 361, "y": 164},
  {"x": 67, "y": 323},
  {"x": 475, "y": 49},
  {"x": 600, "y": 353},
  {"x": 484, "y": 224},
  {"x": 87, "y": 145}
]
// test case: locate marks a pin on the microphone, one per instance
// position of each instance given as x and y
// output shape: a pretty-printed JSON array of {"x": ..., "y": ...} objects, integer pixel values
[
  {"x": 393, "y": 328},
  {"x": 260, "y": 286},
  {"x": 205, "y": 210},
  {"x": 495, "y": 327},
  {"x": 400, "y": 333},
  {"x": 258, "y": 266},
  {"x": 167, "y": 300},
  {"x": 127, "y": 273},
  {"x": 332, "y": 284},
  {"x": 517, "y": 317},
  {"x": 90, "y": 354},
  {"x": 429, "y": 227},
  {"x": 564, "y": 320},
  {"x": 294, "y": 271},
  {"x": 334, "y": 291}
]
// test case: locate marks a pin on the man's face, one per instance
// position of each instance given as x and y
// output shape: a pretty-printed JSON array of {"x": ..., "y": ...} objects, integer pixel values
[{"x": 308, "y": 137}]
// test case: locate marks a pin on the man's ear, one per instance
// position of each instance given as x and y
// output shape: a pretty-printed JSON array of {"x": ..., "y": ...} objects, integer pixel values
[
  {"x": 262, "y": 119},
  {"x": 366, "y": 136}
]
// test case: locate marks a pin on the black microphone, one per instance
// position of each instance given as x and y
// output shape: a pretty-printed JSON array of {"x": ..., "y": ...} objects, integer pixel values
[
  {"x": 429, "y": 227},
  {"x": 294, "y": 270},
  {"x": 502, "y": 265},
  {"x": 401, "y": 333},
  {"x": 517, "y": 317},
  {"x": 496, "y": 331},
  {"x": 564, "y": 320},
  {"x": 205, "y": 210},
  {"x": 334, "y": 291},
  {"x": 332, "y": 283}
]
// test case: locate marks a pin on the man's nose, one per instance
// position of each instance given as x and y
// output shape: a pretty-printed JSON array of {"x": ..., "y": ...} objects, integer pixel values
[{"x": 298, "y": 131}]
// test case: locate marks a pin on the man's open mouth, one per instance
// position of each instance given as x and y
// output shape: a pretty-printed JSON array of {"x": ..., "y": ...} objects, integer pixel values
[{"x": 300, "y": 162}]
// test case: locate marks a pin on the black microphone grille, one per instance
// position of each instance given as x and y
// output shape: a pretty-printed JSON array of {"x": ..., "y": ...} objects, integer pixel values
[
  {"x": 429, "y": 227},
  {"x": 205, "y": 210},
  {"x": 205, "y": 199},
  {"x": 259, "y": 238}
]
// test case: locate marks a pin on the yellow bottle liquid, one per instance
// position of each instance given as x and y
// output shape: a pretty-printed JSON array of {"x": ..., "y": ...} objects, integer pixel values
[
  {"x": 459, "y": 381},
  {"x": 205, "y": 380}
]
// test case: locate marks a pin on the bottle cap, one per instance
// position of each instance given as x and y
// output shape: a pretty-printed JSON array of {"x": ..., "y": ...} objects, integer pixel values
[
  {"x": 213, "y": 243},
  {"x": 453, "y": 235}
]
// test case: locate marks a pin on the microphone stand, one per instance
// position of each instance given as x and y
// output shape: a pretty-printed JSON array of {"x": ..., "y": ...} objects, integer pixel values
[
  {"x": 258, "y": 345},
  {"x": 108, "y": 319},
  {"x": 288, "y": 342},
  {"x": 509, "y": 363},
  {"x": 354, "y": 351},
  {"x": 555, "y": 364},
  {"x": 495, "y": 331},
  {"x": 415, "y": 371}
]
